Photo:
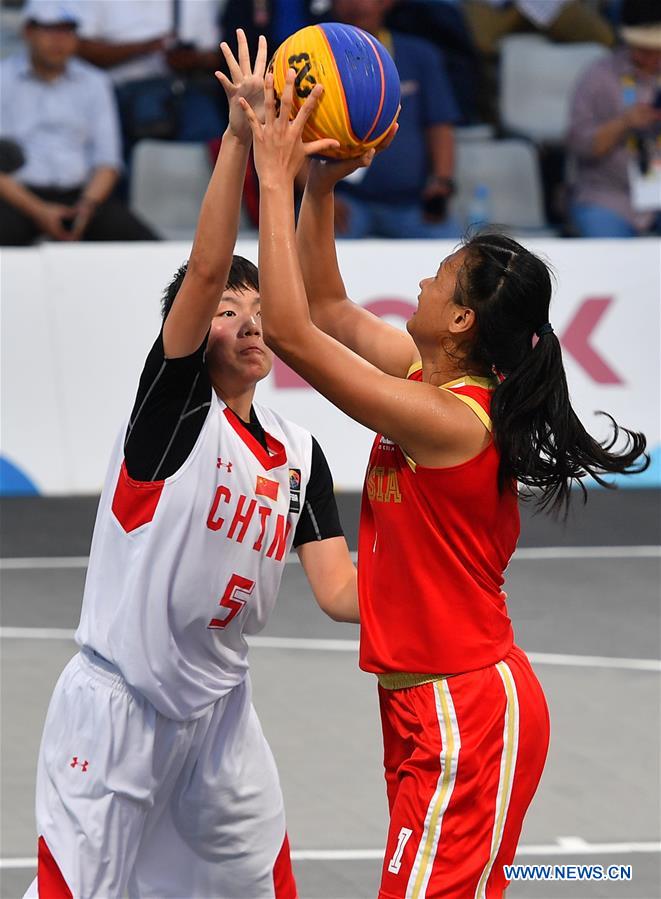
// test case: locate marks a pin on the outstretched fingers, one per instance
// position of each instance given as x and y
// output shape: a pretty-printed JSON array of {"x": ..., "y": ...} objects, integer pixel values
[
  {"x": 269, "y": 99},
  {"x": 244, "y": 52},
  {"x": 260, "y": 59},
  {"x": 287, "y": 99},
  {"x": 232, "y": 64},
  {"x": 254, "y": 122}
]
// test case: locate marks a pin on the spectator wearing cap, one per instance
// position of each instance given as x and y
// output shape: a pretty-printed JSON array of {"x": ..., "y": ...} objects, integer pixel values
[
  {"x": 60, "y": 114},
  {"x": 615, "y": 129}
]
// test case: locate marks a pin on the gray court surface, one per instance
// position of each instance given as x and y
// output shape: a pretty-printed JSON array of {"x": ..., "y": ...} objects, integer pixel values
[{"x": 586, "y": 606}]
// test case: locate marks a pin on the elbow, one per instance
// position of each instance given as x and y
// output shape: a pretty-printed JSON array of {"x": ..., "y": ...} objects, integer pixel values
[{"x": 283, "y": 341}]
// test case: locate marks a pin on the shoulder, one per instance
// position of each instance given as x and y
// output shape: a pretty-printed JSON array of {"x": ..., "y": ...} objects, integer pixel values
[
  {"x": 12, "y": 66},
  {"x": 604, "y": 71},
  {"x": 86, "y": 73}
]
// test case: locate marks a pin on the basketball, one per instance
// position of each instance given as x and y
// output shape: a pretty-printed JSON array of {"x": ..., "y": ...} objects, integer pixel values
[{"x": 361, "y": 85}]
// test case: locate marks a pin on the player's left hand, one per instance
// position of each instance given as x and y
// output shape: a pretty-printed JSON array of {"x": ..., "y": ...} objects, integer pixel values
[
  {"x": 278, "y": 143},
  {"x": 246, "y": 83}
]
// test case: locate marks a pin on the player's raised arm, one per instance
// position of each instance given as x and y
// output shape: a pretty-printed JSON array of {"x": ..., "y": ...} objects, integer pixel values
[
  {"x": 419, "y": 417},
  {"x": 387, "y": 347},
  {"x": 218, "y": 224}
]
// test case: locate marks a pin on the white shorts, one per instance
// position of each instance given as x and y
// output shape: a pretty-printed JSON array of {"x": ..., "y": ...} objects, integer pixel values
[{"x": 132, "y": 803}]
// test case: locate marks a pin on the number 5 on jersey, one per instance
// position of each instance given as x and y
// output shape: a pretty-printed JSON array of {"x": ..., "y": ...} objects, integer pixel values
[{"x": 230, "y": 600}]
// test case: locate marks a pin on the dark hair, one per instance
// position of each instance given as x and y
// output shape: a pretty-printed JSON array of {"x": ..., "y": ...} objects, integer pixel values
[
  {"x": 541, "y": 441},
  {"x": 243, "y": 275}
]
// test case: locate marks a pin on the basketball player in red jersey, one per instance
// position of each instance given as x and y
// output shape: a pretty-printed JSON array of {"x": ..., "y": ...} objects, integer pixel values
[{"x": 465, "y": 723}]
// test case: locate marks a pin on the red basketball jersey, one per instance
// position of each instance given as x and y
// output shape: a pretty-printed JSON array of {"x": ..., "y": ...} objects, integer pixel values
[{"x": 434, "y": 543}]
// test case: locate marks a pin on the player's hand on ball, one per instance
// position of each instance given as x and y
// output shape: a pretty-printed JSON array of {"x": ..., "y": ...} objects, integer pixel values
[
  {"x": 325, "y": 173},
  {"x": 246, "y": 83},
  {"x": 278, "y": 143}
]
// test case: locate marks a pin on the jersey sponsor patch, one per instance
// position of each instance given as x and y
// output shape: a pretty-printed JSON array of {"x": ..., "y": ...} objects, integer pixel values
[
  {"x": 266, "y": 487},
  {"x": 294, "y": 489}
]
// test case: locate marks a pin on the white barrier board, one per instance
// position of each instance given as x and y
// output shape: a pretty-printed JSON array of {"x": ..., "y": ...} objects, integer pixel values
[{"x": 78, "y": 320}]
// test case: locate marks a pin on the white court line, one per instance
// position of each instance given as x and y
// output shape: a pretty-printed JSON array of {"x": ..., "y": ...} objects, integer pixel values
[
  {"x": 577, "y": 847},
  {"x": 525, "y": 553},
  {"x": 320, "y": 645}
]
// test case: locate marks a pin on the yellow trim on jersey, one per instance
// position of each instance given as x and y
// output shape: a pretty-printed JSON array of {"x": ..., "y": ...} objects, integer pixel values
[
  {"x": 399, "y": 680},
  {"x": 507, "y": 765},
  {"x": 474, "y": 405},
  {"x": 467, "y": 381}
]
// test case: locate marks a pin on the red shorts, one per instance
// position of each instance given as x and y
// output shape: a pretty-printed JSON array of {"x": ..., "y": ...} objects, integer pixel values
[{"x": 463, "y": 757}]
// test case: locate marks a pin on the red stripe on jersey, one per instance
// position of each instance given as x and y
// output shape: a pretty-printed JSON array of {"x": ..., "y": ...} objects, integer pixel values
[
  {"x": 283, "y": 876},
  {"x": 50, "y": 883},
  {"x": 134, "y": 502},
  {"x": 276, "y": 454}
]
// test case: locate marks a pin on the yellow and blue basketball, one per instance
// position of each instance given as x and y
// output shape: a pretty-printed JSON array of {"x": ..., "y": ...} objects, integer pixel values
[{"x": 361, "y": 85}]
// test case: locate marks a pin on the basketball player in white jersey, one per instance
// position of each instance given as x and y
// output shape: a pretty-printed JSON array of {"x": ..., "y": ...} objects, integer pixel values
[{"x": 154, "y": 777}]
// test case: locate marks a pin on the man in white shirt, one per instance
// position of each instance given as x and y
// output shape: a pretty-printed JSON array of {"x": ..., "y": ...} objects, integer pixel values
[
  {"x": 144, "y": 45},
  {"x": 61, "y": 112}
]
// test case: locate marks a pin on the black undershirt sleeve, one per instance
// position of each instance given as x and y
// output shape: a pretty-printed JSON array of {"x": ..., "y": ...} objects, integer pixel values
[
  {"x": 170, "y": 409},
  {"x": 319, "y": 516}
]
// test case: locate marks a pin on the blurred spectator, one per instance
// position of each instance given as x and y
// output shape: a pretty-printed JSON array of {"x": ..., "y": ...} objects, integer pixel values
[
  {"x": 443, "y": 23},
  {"x": 161, "y": 55},
  {"x": 560, "y": 20},
  {"x": 615, "y": 132},
  {"x": 60, "y": 115},
  {"x": 406, "y": 190}
]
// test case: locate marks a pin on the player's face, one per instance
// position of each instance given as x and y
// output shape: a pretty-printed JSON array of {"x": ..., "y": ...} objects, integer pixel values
[
  {"x": 236, "y": 348},
  {"x": 436, "y": 310}
]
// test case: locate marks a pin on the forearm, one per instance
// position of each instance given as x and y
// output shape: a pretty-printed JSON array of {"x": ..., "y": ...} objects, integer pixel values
[
  {"x": 332, "y": 577},
  {"x": 285, "y": 313},
  {"x": 101, "y": 184},
  {"x": 315, "y": 237},
  {"x": 105, "y": 55},
  {"x": 19, "y": 196},
  {"x": 218, "y": 222},
  {"x": 608, "y": 136},
  {"x": 440, "y": 146},
  {"x": 341, "y": 604}
]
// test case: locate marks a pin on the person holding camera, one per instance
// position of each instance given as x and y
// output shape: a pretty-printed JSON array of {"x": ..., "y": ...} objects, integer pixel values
[
  {"x": 61, "y": 147},
  {"x": 615, "y": 133}
]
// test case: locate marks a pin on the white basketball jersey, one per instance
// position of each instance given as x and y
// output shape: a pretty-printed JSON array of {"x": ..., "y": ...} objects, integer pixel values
[{"x": 181, "y": 569}]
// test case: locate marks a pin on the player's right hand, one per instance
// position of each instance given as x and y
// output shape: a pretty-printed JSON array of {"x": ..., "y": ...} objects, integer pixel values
[
  {"x": 325, "y": 173},
  {"x": 246, "y": 82}
]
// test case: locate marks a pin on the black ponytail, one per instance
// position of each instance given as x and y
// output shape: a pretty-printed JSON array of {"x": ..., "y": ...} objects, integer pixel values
[{"x": 541, "y": 441}]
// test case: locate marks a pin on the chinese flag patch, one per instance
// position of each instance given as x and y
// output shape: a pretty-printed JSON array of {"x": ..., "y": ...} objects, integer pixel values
[{"x": 264, "y": 487}]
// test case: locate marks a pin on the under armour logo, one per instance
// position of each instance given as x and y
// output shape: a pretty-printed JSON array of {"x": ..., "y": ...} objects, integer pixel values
[
  {"x": 75, "y": 763},
  {"x": 227, "y": 465}
]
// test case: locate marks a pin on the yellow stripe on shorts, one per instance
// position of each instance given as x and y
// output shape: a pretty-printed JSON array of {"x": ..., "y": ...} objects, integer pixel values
[
  {"x": 507, "y": 766},
  {"x": 449, "y": 758}
]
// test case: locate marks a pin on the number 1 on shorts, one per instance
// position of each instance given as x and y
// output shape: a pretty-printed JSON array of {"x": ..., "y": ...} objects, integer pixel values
[{"x": 396, "y": 861}]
